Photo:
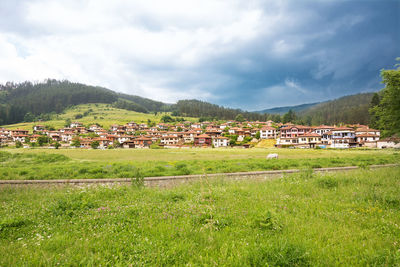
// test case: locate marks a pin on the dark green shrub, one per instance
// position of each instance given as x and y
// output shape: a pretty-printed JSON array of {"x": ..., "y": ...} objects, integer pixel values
[
  {"x": 327, "y": 182},
  {"x": 280, "y": 253},
  {"x": 268, "y": 222}
]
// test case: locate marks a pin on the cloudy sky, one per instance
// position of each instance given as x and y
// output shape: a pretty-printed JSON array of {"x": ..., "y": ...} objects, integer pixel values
[{"x": 243, "y": 54}]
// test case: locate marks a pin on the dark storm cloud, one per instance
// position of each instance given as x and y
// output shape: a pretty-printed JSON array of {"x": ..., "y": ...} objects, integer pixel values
[{"x": 244, "y": 54}]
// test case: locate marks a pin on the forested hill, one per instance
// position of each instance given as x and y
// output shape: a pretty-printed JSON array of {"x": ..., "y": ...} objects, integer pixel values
[
  {"x": 348, "y": 109},
  {"x": 197, "y": 108},
  {"x": 148, "y": 104},
  {"x": 30, "y": 102},
  {"x": 283, "y": 110},
  {"x": 26, "y": 101}
]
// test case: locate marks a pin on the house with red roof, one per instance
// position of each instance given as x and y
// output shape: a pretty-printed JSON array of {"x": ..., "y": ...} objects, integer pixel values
[{"x": 203, "y": 140}]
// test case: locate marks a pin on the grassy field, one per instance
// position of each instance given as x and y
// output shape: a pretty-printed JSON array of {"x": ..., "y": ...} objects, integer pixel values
[
  {"x": 36, "y": 164},
  {"x": 305, "y": 219},
  {"x": 103, "y": 114}
]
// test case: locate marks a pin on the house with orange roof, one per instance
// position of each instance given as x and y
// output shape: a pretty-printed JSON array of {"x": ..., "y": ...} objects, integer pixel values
[
  {"x": 268, "y": 132},
  {"x": 203, "y": 140}
]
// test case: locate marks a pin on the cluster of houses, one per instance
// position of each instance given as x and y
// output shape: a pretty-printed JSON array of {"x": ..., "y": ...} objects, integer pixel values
[{"x": 202, "y": 134}]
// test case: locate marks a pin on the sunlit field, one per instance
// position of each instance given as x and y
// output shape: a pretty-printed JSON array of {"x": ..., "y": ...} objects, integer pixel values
[
  {"x": 39, "y": 163},
  {"x": 304, "y": 219},
  {"x": 103, "y": 114}
]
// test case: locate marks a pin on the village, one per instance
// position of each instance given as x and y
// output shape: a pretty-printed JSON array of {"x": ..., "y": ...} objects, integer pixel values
[{"x": 197, "y": 134}]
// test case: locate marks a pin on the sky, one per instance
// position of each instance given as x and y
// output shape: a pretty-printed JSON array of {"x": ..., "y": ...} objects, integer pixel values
[{"x": 248, "y": 54}]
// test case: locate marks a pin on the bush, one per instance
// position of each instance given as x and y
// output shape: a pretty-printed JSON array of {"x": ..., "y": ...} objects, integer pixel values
[
  {"x": 138, "y": 180},
  {"x": 281, "y": 253},
  {"x": 327, "y": 182},
  {"x": 18, "y": 144}
]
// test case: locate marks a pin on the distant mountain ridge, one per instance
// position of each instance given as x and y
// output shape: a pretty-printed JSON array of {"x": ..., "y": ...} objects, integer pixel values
[
  {"x": 285, "y": 109},
  {"x": 26, "y": 101},
  {"x": 351, "y": 109},
  {"x": 37, "y": 101}
]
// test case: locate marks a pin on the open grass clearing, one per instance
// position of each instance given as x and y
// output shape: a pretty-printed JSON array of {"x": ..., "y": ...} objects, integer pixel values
[
  {"x": 39, "y": 164},
  {"x": 115, "y": 155},
  {"x": 304, "y": 219}
]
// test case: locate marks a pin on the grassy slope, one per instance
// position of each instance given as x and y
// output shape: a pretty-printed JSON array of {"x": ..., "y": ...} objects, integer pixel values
[
  {"x": 348, "y": 219},
  {"x": 84, "y": 164},
  {"x": 104, "y": 113}
]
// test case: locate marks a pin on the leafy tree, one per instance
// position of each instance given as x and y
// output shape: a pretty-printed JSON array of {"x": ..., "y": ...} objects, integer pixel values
[
  {"x": 388, "y": 110},
  {"x": 75, "y": 142},
  {"x": 95, "y": 144},
  {"x": 116, "y": 144},
  {"x": 67, "y": 122},
  {"x": 239, "y": 118},
  {"x": 258, "y": 135},
  {"x": 290, "y": 116},
  {"x": 18, "y": 144},
  {"x": 375, "y": 101},
  {"x": 42, "y": 140},
  {"x": 57, "y": 145},
  {"x": 29, "y": 117},
  {"x": 167, "y": 118}
]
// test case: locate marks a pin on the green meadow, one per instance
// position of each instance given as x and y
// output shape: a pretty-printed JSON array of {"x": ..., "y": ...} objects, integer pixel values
[
  {"x": 34, "y": 164},
  {"x": 303, "y": 219},
  {"x": 103, "y": 114}
]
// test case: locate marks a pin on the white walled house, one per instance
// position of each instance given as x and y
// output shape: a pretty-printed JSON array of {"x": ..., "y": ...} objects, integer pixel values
[
  {"x": 19, "y": 138},
  {"x": 360, "y": 131},
  {"x": 323, "y": 129},
  {"x": 268, "y": 133},
  {"x": 342, "y": 137},
  {"x": 169, "y": 140},
  {"x": 76, "y": 124},
  {"x": 310, "y": 140},
  {"x": 220, "y": 141},
  {"x": 389, "y": 142}
]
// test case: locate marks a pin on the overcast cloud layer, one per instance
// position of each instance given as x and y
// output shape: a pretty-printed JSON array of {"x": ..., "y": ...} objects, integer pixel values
[{"x": 243, "y": 54}]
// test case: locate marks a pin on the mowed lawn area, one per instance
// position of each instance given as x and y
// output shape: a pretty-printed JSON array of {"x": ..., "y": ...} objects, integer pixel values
[
  {"x": 303, "y": 219},
  {"x": 130, "y": 163}
]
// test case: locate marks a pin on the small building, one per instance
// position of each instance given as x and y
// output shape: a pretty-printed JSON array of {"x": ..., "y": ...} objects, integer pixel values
[
  {"x": 309, "y": 140},
  {"x": 203, "y": 140},
  {"x": 76, "y": 124},
  {"x": 220, "y": 141},
  {"x": 267, "y": 132},
  {"x": 169, "y": 140},
  {"x": 142, "y": 142},
  {"x": 38, "y": 128},
  {"x": 389, "y": 142}
]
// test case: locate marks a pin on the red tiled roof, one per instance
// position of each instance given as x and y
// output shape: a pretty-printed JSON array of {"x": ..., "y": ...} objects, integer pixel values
[
  {"x": 310, "y": 135},
  {"x": 204, "y": 136}
]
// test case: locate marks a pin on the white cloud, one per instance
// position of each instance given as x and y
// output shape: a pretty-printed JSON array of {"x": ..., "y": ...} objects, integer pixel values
[
  {"x": 118, "y": 43},
  {"x": 169, "y": 50}
]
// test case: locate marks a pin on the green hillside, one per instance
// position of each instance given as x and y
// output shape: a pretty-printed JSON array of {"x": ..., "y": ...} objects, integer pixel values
[
  {"x": 103, "y": 114},
  {"x": 348, "y": 109},
  {"x": 29, "y": 102},
  {"x": 283, "y": 110},
  {"x": 197, "y": 108}
]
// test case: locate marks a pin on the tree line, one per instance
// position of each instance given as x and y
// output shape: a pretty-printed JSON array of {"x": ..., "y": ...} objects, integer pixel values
[
  {"x": 385, "y": 105},
  {"x": 208, "y": 111},
  {"x": 29, "y": 101}
]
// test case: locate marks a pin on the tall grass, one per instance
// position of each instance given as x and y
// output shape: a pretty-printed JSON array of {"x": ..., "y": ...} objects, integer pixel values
[
  {"x": 58, "y": 166},
  {"x": 304, "y": 219}
]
